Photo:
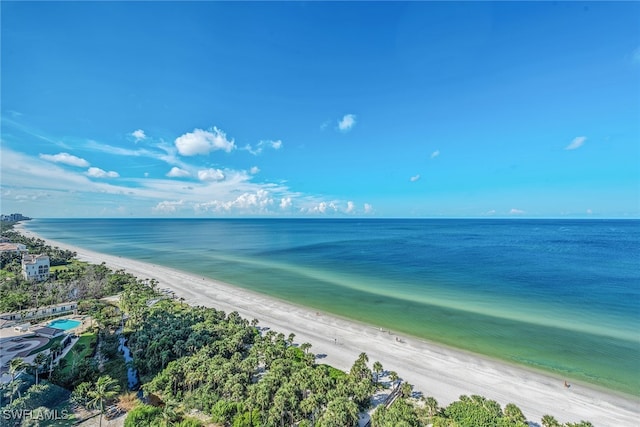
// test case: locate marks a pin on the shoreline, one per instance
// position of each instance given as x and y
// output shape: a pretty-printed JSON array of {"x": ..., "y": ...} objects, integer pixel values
[{"x": 434, "y": 369}]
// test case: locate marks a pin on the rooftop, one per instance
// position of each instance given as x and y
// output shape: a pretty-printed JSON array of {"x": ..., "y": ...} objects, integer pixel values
[{"x": 30, "y": 259}]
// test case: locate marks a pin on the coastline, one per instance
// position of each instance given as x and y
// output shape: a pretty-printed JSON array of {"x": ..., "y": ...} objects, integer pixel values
[{"x": 435, "y": 370}]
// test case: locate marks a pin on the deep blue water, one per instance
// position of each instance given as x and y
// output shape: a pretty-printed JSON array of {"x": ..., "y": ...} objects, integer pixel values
[{"x": 559, "y": 295}]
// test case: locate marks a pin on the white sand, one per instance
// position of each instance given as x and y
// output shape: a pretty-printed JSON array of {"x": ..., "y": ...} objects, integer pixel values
[{"x": 434, "y": 370}]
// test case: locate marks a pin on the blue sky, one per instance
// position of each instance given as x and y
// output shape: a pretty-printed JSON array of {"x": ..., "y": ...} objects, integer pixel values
[{"x": 327, "y": 109}]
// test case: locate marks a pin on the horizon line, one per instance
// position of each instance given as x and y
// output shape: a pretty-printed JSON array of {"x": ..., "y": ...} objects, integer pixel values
[{"x": 359, "y": 218}]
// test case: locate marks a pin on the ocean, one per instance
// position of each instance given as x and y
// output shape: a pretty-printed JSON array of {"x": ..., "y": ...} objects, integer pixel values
[{"x": 562, "y": 296}]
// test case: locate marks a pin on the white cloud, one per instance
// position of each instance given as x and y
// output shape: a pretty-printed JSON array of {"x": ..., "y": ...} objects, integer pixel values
[
  {"x": 576, "y": 143},
  {"x": 491, "y": 212},
  {"x": 350, "y": 207},
  {"x": 325, "y": 124},
  {"x": 435, "y": 154},
  {"x": 256, "y": 202},
  {"x": 210, "y": 175},
  {"x": 414, "y": 178},
  {"x": 77, "y": 194},
  {"x": 285, "y": 203},
  {"x": 276, "y": 145},
  {"x": 176, "y": 172},
  {"x": 110, "y": 149},
  {"x": 167, "y": 206},
  {"x": 162, "y": 151},
  {"x": 203, "y": 142},
  {"x": 324, "y": 207},
  {"x": 347, "y": 122},
  {"x": 515, "y": 211},
  {"x": 314, "y": 206},
  {"x": 138, "y": 135},
  {"x": 589, "y": 211},
  {"x": 66, "y": 158},
  {"x": 254, "y": 170},
  {"x": 321, "y": 207},
  {"x": 260, "y": 199},
  {"x": 100, "y": 173}
]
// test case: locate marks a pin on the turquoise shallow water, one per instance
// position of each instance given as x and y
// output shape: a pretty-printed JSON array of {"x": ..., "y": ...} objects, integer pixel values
[
  {"x": 64, "y": 324},
  {"x": 562, "y": 296}
]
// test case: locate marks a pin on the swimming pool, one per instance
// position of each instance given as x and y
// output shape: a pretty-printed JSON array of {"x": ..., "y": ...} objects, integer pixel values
[{"x": 65, "y": 324}]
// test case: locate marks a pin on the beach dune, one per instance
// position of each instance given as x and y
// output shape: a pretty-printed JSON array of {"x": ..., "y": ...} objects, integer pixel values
[{"x": 434, "y": 370}]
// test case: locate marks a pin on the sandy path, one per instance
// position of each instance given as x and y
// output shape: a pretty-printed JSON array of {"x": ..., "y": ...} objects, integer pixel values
[{"x": 435, "y": 370}]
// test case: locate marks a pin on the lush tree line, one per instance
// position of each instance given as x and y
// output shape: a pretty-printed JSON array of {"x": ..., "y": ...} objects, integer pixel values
[
  {"x": 201, "y": 358},
  {"x": 56, "y": 255},
  {"x": 76, "y": 281},
  {"x": 468, "y": 411},
  {"x": 239, "y": 375}
]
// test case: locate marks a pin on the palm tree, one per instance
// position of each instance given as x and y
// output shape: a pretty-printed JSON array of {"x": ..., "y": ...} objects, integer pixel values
[
  {"x": 15, "y": 367},
  {"x": 53, "y": 350},
  {"x": 75, "y": 353},
  {"x": 340, "y": 412},
  {"x": 432, "y": 406},
  {"x": 513, "y": 413},
  {"x": 377, "y": 368},
  {"x": 106, "y": 388},
  {"x": 38, "y": 361},
  {"x": 406, "y": 389},
  {"x": 14, "y": 387},
  {"x": 290, "y": 338},
  {"x": 393, "y": 376},
  {"x": 169, "y": 413},
  {"x": 305, "y": 346},
  {"x": 550, "y": 421}
]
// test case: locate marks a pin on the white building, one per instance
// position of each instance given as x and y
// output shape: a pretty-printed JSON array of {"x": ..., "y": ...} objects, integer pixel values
[
  {"x": 35, "y": 267},
  {"x": 13, "y": 317},
  {"x": 15, "y": 248}
]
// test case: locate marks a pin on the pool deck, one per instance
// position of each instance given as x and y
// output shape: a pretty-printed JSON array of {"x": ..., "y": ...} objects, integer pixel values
[
  {"x": 19, "y": 343},
  {"x": 57, "y": 324}
]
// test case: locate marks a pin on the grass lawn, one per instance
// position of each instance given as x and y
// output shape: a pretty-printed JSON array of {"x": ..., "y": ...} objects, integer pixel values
[
  {"x": 72, "y": 263},
  {"x": 86, "y": 342},
  {"x": 6, "y": 275}
]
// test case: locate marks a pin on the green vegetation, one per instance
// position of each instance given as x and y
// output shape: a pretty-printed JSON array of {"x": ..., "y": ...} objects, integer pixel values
[
  {"x": 70, "y": 279},
  {"x": 56, "y": 255},
  {"x": 6, "y": 226},
  {"x": 143, "y": 416},
  {"x": 468, "y": 411},
  {"x": 76, "y": 281},
  {"x": 96, "y": 395},
  {"x": 77, "y": 365},
  {"x": 202, "y": 359},
  {"x": 44, "y": 395}
]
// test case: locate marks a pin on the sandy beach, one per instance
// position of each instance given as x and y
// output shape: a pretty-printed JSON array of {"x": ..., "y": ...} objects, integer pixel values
[{"x": 434, "y": 370}]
